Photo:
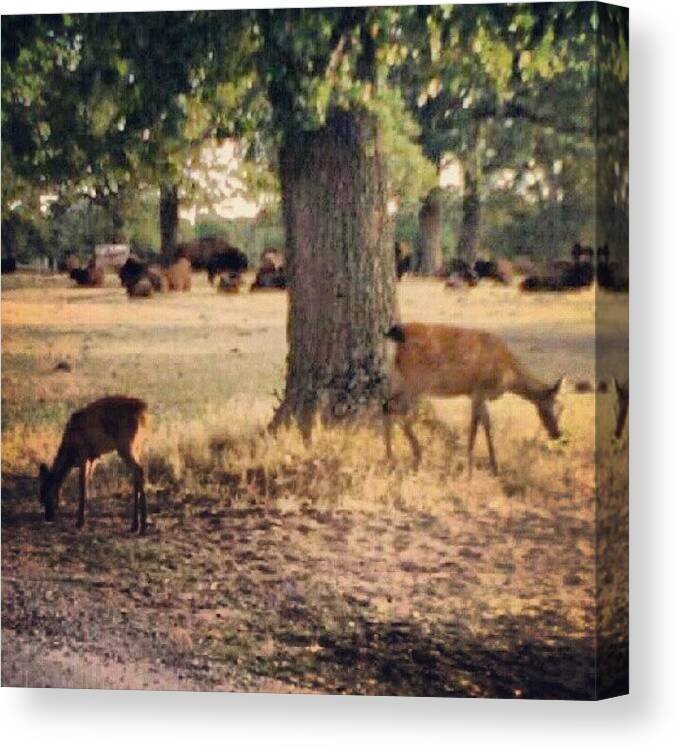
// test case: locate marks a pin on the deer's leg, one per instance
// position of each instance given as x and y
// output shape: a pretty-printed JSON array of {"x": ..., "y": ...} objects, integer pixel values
[
  {"x": 142, "y": 497},
  {"x": 139, "y": 496},
  {"x": 388, "y": 433},
  {"x": 412, "y": 438},
  {"x": 89, "y": 473},
  {"x": 476, "y": 407},
  {"x": 82, "y": 468},
  {"x": 485, "y": 419}
]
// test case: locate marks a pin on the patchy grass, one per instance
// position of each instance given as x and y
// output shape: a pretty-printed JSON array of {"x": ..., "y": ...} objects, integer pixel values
[{"x": 272, "y": 566}]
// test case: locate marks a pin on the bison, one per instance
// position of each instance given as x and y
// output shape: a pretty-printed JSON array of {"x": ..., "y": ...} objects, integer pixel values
[
  {"x": 272, "y": 260},
  {"x": 403, "y": 258},
  {"x": 225, "y": 261},
  {"x": 199, "y": 251},
  {"x": 141, "y": 279},
  {"x": 609, "y": 273},
  {"x": 267, "y": 279},
  {"x": 564, "y": 275},
  {"x": 229, "y": 283},
  {"x": 178, "y": 275},
  {"x": 500, "y": 271},
  {"x": 90, "y": 276},
  {"x": 459, "y": 273}
]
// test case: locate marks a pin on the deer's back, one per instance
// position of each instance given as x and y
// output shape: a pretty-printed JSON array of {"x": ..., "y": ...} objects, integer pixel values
[
  {"x": 449, "y": 361},
  {"x": 108, "y": 424}
]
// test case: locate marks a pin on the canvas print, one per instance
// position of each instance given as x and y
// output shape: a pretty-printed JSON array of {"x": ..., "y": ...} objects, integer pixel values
[{"x": 315, "y": 350}]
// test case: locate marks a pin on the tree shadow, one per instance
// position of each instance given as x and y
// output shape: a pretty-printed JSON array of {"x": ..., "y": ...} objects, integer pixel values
[{"x": 403, "y": 658}]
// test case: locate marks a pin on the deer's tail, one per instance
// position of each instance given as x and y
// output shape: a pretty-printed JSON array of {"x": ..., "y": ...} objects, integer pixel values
[{"x": 396, "y": 333}]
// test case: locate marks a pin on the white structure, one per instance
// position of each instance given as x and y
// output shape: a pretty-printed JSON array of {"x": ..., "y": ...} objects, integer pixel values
[{"x": 110, "y": 256}]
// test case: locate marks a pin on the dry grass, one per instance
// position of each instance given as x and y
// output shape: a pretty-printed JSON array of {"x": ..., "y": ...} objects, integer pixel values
[{"x": 273, "y": 566}]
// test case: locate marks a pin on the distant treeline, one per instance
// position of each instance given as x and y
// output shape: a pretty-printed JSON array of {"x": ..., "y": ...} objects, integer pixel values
[
  {"x": 509, "y": 225},
  {"x": 78, "y": 228}
]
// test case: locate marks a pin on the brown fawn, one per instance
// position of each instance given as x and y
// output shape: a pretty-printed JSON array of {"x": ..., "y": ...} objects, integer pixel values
[
  {"x": 622, "y": 390},
  {"x": 445, "y": 361},
  {"x": 112, "y": 423}
]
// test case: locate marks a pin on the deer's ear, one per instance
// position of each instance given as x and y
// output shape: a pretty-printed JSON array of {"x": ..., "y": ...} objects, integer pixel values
[
  {"x": 619, "y": 388},
  {"x": 555, "y": 389}
]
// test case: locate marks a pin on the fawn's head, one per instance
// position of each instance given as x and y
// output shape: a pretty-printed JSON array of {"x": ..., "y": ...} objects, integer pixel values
[
  {"x": 49, "y": 494},
  {"x": 550, "y": 409}
]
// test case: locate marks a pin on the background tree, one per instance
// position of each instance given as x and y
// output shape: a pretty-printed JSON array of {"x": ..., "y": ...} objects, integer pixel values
[
  {"x": 95, "y": 105},
  {"x": 497, "y": 86}
]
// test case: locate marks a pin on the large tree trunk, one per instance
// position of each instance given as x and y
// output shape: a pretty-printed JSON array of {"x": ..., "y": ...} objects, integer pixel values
[
  {"x": 169, "y": 220},
  {"x": 467, "y": 244},
  {"x": 430, "y": 230},
  {"x": 339, "y": 255}
]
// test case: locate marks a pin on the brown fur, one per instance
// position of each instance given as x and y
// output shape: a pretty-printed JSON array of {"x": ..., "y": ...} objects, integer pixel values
[
  {"x": 178, "y": 275},
  {"x": 112, "y": 423},
  {"x": 272, "y": 260},
  {"x": 446, "y": 361}
]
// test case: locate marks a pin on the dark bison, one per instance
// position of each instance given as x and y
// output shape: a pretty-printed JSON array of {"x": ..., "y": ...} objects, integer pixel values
[
  {"x": 609, "y": 273},
  {"x": 90, "y": 276},
  {"x": 460, "y": 273},
  {"x": 229, "y": 283},
  {"x": 403, "y": 258},
  {"x": 141, "y": 279},
  {"x": 201, "y": 250},
  {"x": 269, "y": 279},
  {"x": 131, "y": 271},
  {"x": 9, "y": 264},
  {"x": 226, "y": 261},
  {"x": 500, "y": 270},
  {"x": 271, "y": 273},
  {"x": 580, "y": 273},
  {"x": 564, "y": 275}
]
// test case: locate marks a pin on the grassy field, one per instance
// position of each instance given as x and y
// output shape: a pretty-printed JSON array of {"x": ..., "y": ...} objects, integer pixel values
[{"x": 272, "y": 567}]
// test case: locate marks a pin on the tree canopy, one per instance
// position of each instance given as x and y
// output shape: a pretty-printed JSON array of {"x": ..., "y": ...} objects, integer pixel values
[{"x": 98, "y": 105}]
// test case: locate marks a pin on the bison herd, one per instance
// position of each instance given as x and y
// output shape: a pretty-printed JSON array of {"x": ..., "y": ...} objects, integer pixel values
[
  {"x": 577, "y": 272},
  {"x": 223, "y": 263}
]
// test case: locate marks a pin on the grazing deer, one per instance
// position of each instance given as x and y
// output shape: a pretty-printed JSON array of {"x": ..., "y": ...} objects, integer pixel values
[
  {"x": 622, "y": 407},
  {"x": 446, "y": 361},
  {"x": 112, "y": 423}
]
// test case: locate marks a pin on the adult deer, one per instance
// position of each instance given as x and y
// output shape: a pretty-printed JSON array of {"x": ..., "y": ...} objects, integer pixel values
[
  {"x": 112, "y": 423},
  {"x": 446, "y": 361}
]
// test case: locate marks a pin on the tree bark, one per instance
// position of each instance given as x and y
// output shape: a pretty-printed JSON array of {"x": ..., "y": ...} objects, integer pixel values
[
  {"x": 467, "y": 243},
  {"x": 341, "y": 279},
  {"x": 430, "y": 230},
  {"x": 169, "y": 220}
]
